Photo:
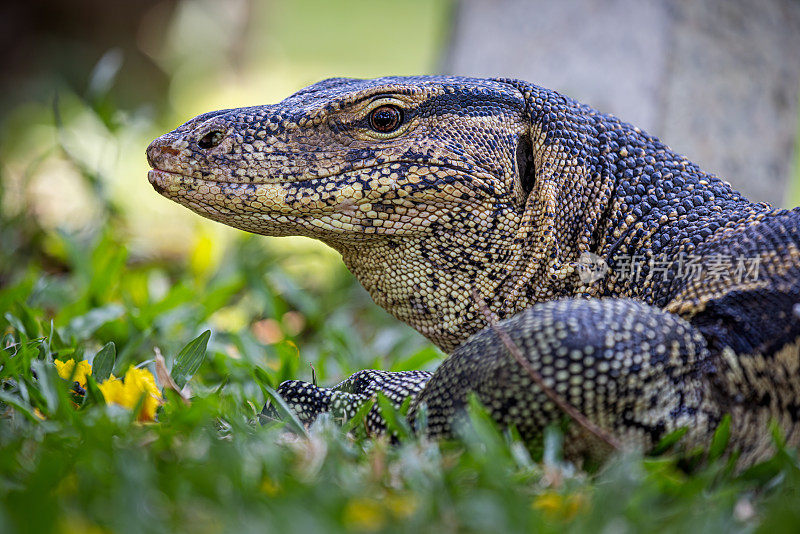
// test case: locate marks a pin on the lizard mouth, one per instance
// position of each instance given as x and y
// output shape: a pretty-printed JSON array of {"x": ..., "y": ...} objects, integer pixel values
[
  {"x": 210, "y": 197},
  {"x": 173, "y": 184},
  {"x": 156, "y": 175},
  {"x": 157, "y": 179},
  {"x": 279, "y": 209}
]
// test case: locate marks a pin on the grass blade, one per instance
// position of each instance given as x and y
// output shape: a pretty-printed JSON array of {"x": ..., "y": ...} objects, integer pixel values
[
  {"x": 396, "y": 424},
  {"x": 283, "y": 409},
  {"x": 103, "y": 362},
  {"x": 722, "y": 436},
  {"x": 189, "y": 359},
  {"x": 19, "y": 405}
]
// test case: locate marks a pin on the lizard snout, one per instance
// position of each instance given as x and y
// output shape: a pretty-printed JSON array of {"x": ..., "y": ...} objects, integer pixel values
[{"x": 160, "y": 152}]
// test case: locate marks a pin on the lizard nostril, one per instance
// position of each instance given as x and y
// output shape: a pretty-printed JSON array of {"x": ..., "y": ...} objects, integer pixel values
[
  {"x": 211, "y": 139},
  {"x": 159, "y": 152}
]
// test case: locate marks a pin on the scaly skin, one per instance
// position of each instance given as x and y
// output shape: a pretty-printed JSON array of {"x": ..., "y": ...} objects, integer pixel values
[{"x": 431, "y": 187}]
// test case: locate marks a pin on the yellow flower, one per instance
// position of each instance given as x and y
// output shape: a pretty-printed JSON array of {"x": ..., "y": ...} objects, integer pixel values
[
  {"x": 364, "y": 514},
  {"x": 128, "y": 391},
  {"x": 269, "y": 487},
  {"x": 560, "y": 507},
  {"x": 402, "y": 505},
  {"x": 67, "y": 371}
]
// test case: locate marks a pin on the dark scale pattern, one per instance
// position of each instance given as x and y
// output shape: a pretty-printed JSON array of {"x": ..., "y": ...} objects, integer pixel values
[
  {"x": 345, "y": 398},
  {"x": 625, "y": 365},
  {"x": 503, "y": 186}
]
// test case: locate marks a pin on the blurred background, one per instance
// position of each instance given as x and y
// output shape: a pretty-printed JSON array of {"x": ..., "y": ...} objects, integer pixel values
[{"x": 86, "y": 85}]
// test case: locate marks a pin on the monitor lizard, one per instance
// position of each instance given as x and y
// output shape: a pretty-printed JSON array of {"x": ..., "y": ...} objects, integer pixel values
[{"x": 646, "y": 294}]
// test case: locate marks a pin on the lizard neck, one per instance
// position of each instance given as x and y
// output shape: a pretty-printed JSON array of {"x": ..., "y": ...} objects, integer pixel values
[
  {"x": 663, "y": 208},
  {"x": 431, "y": 287}
]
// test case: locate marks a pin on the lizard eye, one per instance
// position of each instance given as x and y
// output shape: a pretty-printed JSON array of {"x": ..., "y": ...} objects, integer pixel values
[
  {"x": 210, "y": 140},
  {"x": 385, "y": 119}
]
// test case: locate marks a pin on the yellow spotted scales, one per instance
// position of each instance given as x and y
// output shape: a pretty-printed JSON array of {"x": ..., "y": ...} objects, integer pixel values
[{"x": 649, "y": 295}]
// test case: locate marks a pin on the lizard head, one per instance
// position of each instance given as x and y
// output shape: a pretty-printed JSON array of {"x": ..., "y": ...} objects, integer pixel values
[
  {"x": 428, "y": 186},
  {"x": 346, "y": 160}
]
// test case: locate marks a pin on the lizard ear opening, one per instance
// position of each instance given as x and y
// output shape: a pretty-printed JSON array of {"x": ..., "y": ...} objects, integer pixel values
[{"x": 526, "y": 169}]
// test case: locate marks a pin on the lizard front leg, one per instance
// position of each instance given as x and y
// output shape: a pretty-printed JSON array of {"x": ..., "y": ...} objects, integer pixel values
[{"x": 309, "y": 401}]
